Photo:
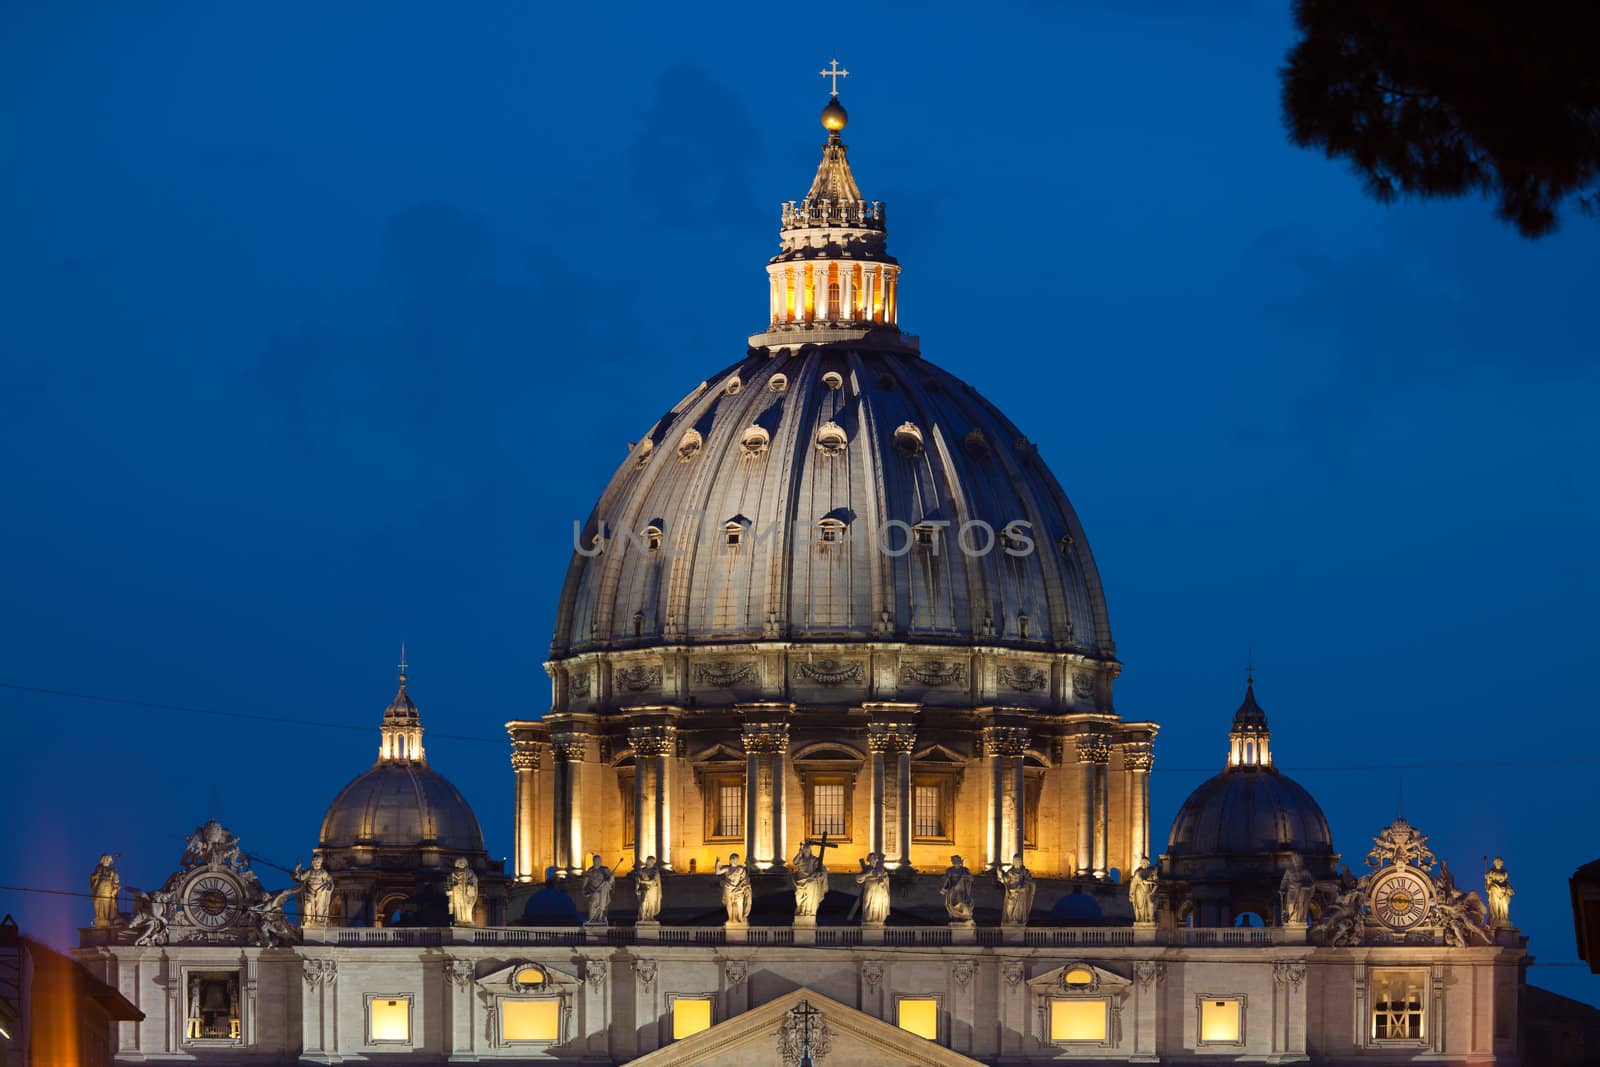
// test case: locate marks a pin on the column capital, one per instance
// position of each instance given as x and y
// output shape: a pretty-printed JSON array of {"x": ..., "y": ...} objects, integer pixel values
[
  {"x": 1138, "y": 755},
  {"x": 648, "y": 741},
  {"x": 570, "y": 746},
  {"x": 526, "y": 755},
  {"x": 765, "y": 738},
  {"x": 1093, "y": 748},
  {"x": 891, "y": 737},
  {"x": 1005, "y": 740}
]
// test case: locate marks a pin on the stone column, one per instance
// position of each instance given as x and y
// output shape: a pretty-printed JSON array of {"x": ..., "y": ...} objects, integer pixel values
[
  {"x": 847, "y": 295},
  {"x": 780, "y": 759},
  {"x": 904, "y": 742},
  {"x": 1019, "y": 805},
  {"x": 1094, "y": 753},
  {"x": 525, "y": 765},
  {"x": 651, "y": 745},
  {"x": 1087, "y": 747},
  {"x": 879, "y": 738},
  {"x": 663, "y": 763},
  {"x": 561, "y": 823},
  {"x": 1005, "y": 745},
  {"x": 642, "y": 802},
  {"x": 1138, "y": 757},
  {"x": 752, "y": 798},
  {"x": 571, "y": 749}
]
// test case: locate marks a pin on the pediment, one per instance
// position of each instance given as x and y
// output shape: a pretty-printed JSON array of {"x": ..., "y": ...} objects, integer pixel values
[
  {"x": 1103, "y": 981},
  {"x": 511, "y": 977},
  {"x": 855, "y": 1039}
]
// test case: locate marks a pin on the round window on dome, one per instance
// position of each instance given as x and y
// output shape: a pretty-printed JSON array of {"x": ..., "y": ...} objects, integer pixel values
[
  {"x": 689, "y": 445},
  {"x": 908, "y": 440},
  {"x": 831, "y": 439},
  {"x": 754, "y": 441},
  {"x": 777, "y": 383},
  {"x": 833, "y": 380}
]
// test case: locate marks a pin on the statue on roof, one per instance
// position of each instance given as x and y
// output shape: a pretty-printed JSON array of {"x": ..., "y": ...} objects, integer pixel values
[
  {"x": 463, "y": 889},
  {"x": 647, "y": 884},
  {"x": 957, "y": 891},
  {"x": 1017, "y": 881},
  {"x": 1142, "y": 891},
  {"x": 1295, "y": 890},
  {"x": 104, "y": 882},
  {"x": 874, "y": 883},
  {"x": 317, "y": 886},
  {"x": 151, "y": 912},
  {"x": 810, "y": 878},
  {"x": 1497, "y": 884},
  {"x": 597, "y": 883},
  {"x": 1400, "y": 844},
  {"x": 734, "y": 878}
]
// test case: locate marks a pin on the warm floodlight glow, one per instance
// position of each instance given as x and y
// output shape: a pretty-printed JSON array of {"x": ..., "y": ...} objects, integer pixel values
[
  {"x": 1080, "y": 976},
  {"x": 920, "y": 1016},
  {"x": 690, "y": 1015},
  {"x": 530, "y": 976},
  {"x": 1221, "y": 1020},
  {"x": 1078, "y": 1020},
  {"x": 530, "y": 1020},
  {"x": 389, "y": 1019}
]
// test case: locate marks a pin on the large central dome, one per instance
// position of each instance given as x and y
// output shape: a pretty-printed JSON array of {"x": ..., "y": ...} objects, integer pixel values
[
  {"x": 833, "y": 485},
  {"x": 833, "y": 491}
]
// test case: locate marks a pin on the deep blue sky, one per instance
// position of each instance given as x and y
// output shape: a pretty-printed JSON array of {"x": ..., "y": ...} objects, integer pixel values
[{"x": 318, "y": 326}]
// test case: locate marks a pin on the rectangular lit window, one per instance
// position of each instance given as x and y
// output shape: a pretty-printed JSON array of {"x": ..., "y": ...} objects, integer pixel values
[
  {"x": 927, "y": 808},
  {"x": 918, "y": 1015},
  {"x": 625, "y": 787},
  {"x": 530, "y": 1020},
  {"x": 690, "y": 1015},
  {"x": 1221, "y": 1020},
  {"x": 212, "y": 1006},
  {"x": 827, "y": 809},
  {"x": 388, "y": 1019},
  {"x": 1032, "y": 790},
  {"x": 1078, "y": 1019},
  {"x": 730, "y": 810},
  {"x": 1397, "y": 1004}
]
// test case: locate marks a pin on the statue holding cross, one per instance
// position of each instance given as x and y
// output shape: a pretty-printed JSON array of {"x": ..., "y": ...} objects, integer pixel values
[{"x": 810, "y": 877}]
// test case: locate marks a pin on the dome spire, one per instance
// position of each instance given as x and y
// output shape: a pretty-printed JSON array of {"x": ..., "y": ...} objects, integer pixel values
[
  {"x": 833, "y": 273},
  {"x": 400, "y": 736},
  {"x": 1249, "y": 742}
]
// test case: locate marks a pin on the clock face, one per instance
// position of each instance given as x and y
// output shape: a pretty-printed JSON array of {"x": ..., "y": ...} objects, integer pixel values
[
  {"x": 1401, "y": 900},
  {"x": 212, "y": 901}
]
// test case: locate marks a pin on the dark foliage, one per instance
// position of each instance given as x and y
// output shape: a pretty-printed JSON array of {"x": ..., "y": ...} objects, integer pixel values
[{"x": 1446, "y": 97}]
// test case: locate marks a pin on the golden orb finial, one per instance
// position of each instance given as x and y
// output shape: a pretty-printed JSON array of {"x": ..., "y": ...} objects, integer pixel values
[{"x": 834, "y": 116}]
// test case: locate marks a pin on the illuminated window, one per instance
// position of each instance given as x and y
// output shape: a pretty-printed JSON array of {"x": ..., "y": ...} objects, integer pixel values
[
  {"x": 733, "y": 534},
  {"x": 212, "y": 1007},
  {"x": 530, "y": 976},
  {"x": 388, "y": 1019},
  {"x": 828, "y": 809},
  {"x": 1397, "y": 1004},
  {"x": 918, "y": 1015},
  {"x": 1078, "y": 976},
  {"x": 933, "y": 807},
  {"x": 690, "y": 1015},
  {"x": 530, "y": 1020},
  {"x": 1079, "y": 1019},
  {"x": 724, "y": 802},
  {"x": 1221, "y": 1020}
]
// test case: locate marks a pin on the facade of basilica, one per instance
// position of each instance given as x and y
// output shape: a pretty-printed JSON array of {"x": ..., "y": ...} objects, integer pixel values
[{"x": 833, "y": 676}]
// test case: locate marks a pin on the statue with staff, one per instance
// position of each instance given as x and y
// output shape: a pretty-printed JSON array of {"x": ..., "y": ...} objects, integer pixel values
[
  {"x": 647, "y": 885},
  {"x": 809, "y": 873},
  {"x": 597, "y": 883}
]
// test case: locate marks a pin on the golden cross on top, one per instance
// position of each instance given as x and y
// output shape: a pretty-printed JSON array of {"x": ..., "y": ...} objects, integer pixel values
[
  {"x": 402, "y": 663},
  {"x": 835, "y": 73}
]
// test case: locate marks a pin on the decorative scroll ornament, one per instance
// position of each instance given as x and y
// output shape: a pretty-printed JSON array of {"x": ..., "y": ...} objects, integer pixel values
[
  {"x": 637, "y": 679},
  {"x": 1400, "y": 844},
  {"x": 570, "y": 747},
  {"x": 962, "y": 971},
  {"x": 1082, "y": 684},
  {"x": 1022, "y": 679},
  {"x": 829, "y": 671},
  {"x": 595, "y": 971},
  {"x": 525, "y": 755},
  {"x": 765, "y": 738},
  {"x": 734, "y": 971},
  {"x": 1289, "y": 972},
  {"x": 579, "y": 684},
  {"x": 934, "y": 673},
  {"x": 320, "y": 972},
  {"x": 724, "y": 675},
  {"x": 645, "y": 971},
  {"x": 648, "y": 741},
  {"x": 1005, "y": 740},
  {"x": 803, "y": 1036},
  {"x": 872, "y": 974},
  {"x": 459, "y": 973},
  {"x": 1149, "y": 972},
  {"x": 1012, "y": 972},
  {"x": 1138, "y": 756}
]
